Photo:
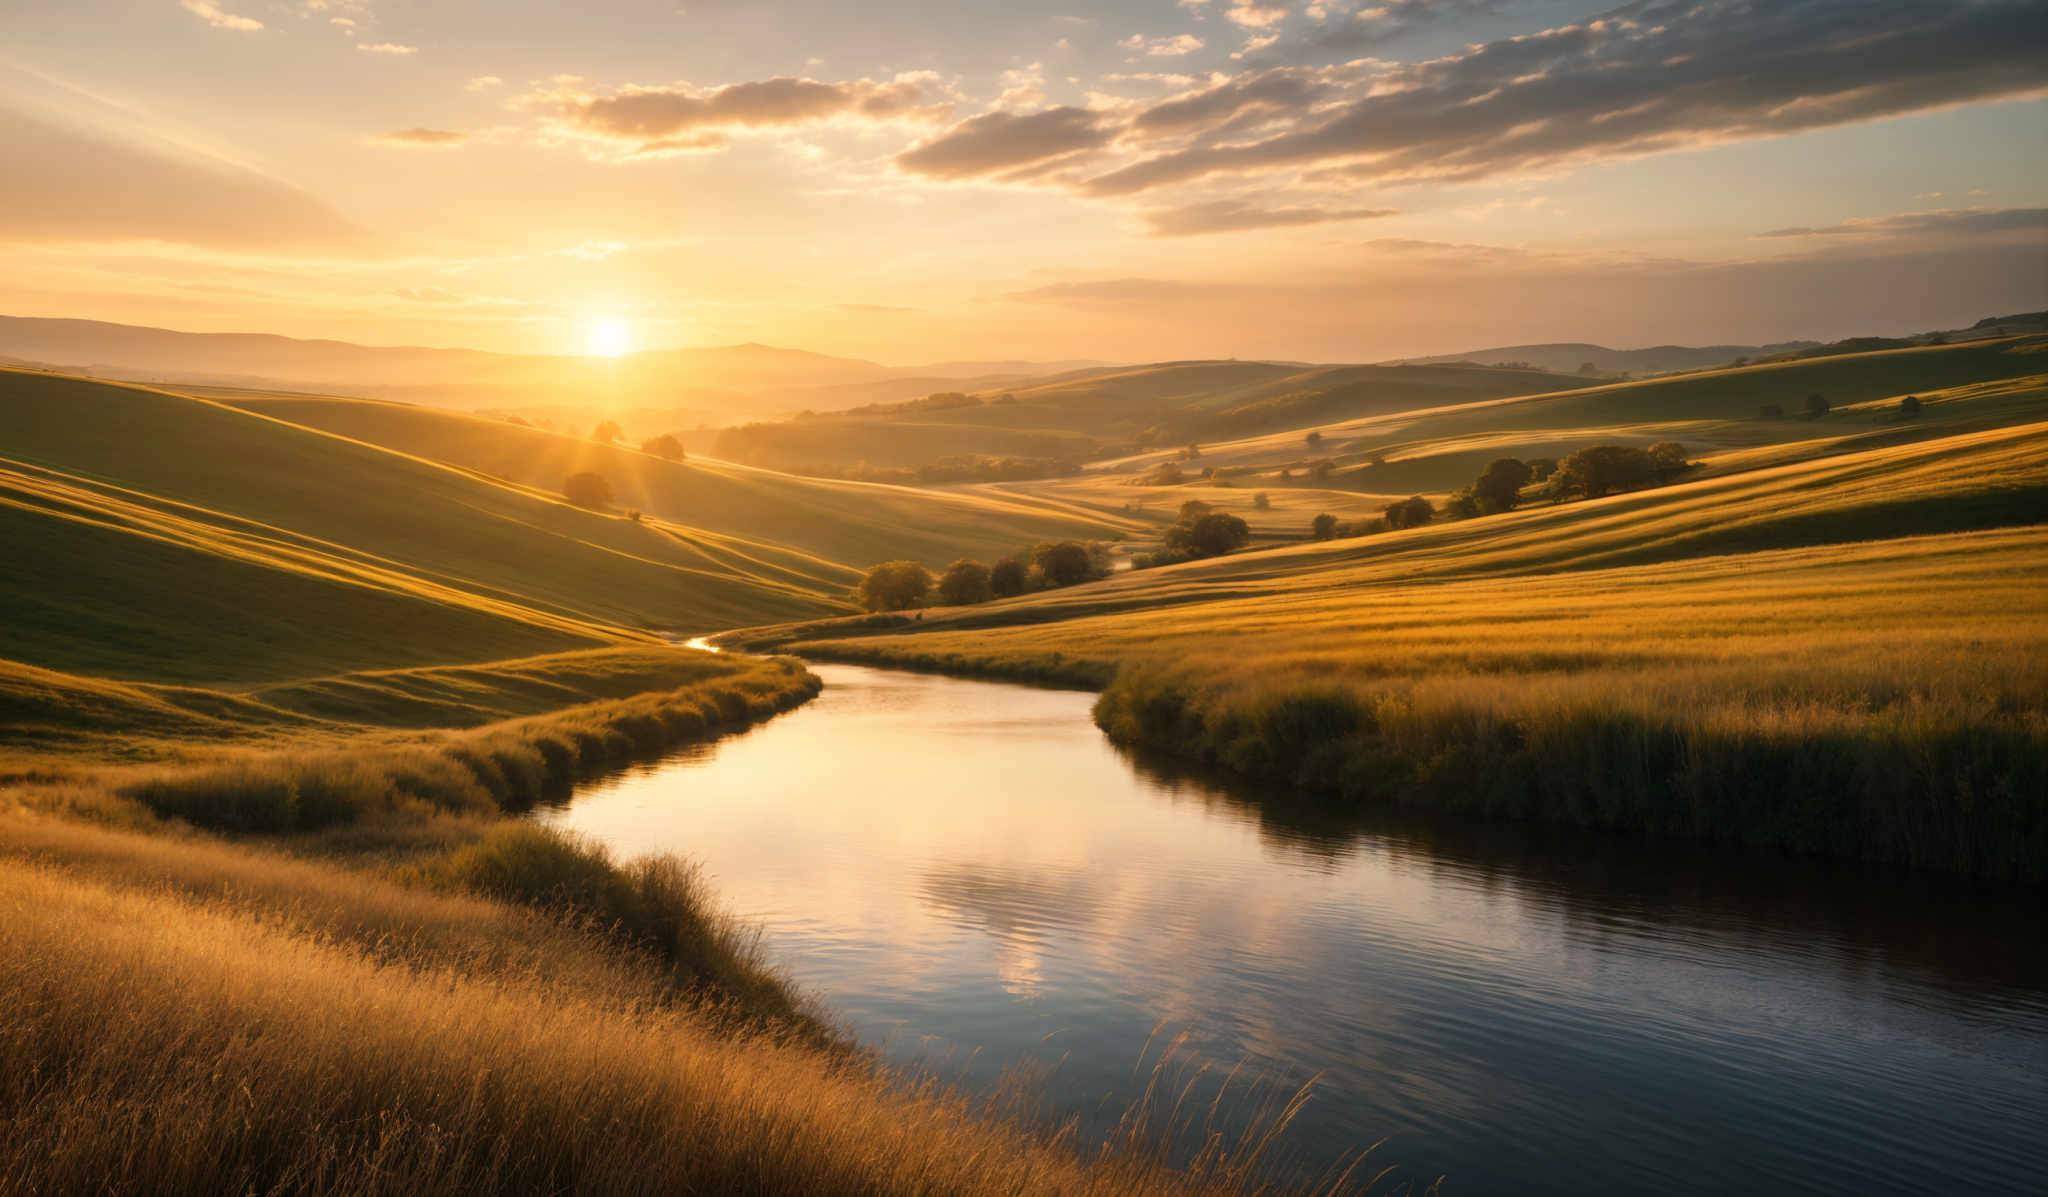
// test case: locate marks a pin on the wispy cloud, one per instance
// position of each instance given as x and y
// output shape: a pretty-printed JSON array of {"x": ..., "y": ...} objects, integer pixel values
[
  {"x": 1964, "y": 221},
  {"x": 393, "y": 49},
  {"x": 1162, "y": 47},
  {"x": 215, "y": 16},
  {"x": 1006, "y": 144},
  {"x": 640, "y": 121},
  {"x": 418, "y": 138},
  {"x": 1235, "y": 216}
]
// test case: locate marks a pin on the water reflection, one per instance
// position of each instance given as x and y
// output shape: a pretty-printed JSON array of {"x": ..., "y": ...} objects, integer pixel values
[{"x": 967, "y": 871}]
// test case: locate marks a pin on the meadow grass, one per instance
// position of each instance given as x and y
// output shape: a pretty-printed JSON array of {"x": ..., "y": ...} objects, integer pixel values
[
  {"x": 1772, "y": 658},
  {"x": 252, "y": 1026}
]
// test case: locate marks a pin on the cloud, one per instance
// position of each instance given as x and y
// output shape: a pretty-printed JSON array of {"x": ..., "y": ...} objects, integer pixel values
[
  {"x": 428, "y": 295},
  {"x": 483, "y": 83},
  {"x": 1253, "y": 15},
  {"x": 871, "y": 308},
  {"x": 1959, "y": 221},
  {"x": 1370, "y": 27},
  {"x": 58, "y": 192},
  {"x": 1233, "y": 216},
  {"x": 393, "y": 49},
  {"x": 1113, "y": 290},
  {"x": 1652, "y": 76},
  {"x": 652, "y": 120},
  {"x": 1006, "y": 144},
  {"x": 422, "y": 138},
  {"x": 1276, "y": 92},
  {"x": 213, "y": 15},
  {"x": 1163, "y": 47}
]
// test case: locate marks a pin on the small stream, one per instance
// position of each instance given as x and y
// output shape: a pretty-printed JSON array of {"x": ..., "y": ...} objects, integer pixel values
[{"x": 974, "y": 880}]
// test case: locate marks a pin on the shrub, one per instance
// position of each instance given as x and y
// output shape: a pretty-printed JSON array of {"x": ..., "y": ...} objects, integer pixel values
[
  {"x": 1411, "y": 512},
  {"x": 1669, "y": 459},
  {"x": 1006, "y": 578},
  {"x": 1909, "y": 407},
  {"x": 1165, "y": 473},
  {"x": 1499, "y": 487},
  {"x": 1064, "y": 563},
  {"x": 1314, "y": 439},
  {"x": 893, "y": 586},
  {"x": 1323, "y": 527},
  {"x": 664, "y": 446},
  {"x": 1320, "y": 469},
  {"x": 1261, "y": 503},
  {"x": 1591, "y": 473},
  {"x": 607, "y": 430},
  {"x": 588, "y": 490},
  {"x": 1209, "y": 536},
  {"x": 1815, "y": 407},
  {"x": 964, "y": 582}
]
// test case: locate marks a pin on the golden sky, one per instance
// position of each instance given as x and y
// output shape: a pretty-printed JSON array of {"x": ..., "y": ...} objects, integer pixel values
[{"x": 1123, "y": 180}]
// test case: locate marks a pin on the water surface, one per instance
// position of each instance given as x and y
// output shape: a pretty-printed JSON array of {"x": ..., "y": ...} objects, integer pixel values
[{"x": 972, "y": 878}]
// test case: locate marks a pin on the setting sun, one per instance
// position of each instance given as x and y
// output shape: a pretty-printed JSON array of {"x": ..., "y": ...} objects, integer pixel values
[{"x": 607, "y": 338}]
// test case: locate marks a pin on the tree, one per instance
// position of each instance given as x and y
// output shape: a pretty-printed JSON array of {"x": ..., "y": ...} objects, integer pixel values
[
  {"x": 893, "y": 586},
  {"x": 1463, "y": 505},
  {"x": 1596, "y": 471},
  {"x": 1063, "y": 562},
  {"x": 587, "y": 490},
  {"x": 1770, "y": 411},
  {"x": 965, "y": 582},
  {"x": 1909, "y": 407},
  {"x": 1315, "y": 439},
  {"x": 1816, "y": 407},
  {"x": 1668, "y": 457},
  {"x": 1261, "y": 503},
  {"x": 664, "y": 446},
  {"x": 1500, "y": 485},
  {"x": 1211, "y": 535},
  {"x": 1323, "y": 527},
  {"x": 1193, "y": 510},
  {"x": 608, "y": 430},
  {"x": 1192, "y": 453},
  {"x": 1411, "y": 512},
  {"x": 1166, "y": 474},
  {"x": 1006, "y": 578},
  {"x": 1320, "y": 469},
  {"x": 1541, "y": 468},
  {"x": 1588, "y": 370}
]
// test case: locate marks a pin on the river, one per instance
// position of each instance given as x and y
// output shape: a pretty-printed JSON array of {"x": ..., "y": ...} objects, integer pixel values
[{"x": 971, "y": 878}]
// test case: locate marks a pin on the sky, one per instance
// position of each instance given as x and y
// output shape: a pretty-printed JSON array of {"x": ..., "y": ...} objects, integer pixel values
[{"x": 1343, "y": 180}]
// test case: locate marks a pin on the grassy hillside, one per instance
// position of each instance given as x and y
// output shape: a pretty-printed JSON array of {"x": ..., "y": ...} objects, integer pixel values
[
  {"x": 1847, "y": 655},
  {"x": 1076, "y": 417},
  {"x": 842, "y": 523},
  {"x": 1436, "y": 450}
]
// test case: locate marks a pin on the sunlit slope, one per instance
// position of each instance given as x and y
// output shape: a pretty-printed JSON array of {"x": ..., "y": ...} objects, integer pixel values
[
  {"x": 1168, "y": 403},
  {"x": 1310, "y": 598},
  {"x": 1436, "y": 450},
  {"x": 853, "y": 524},
  {"x": 206, "y": 472}
]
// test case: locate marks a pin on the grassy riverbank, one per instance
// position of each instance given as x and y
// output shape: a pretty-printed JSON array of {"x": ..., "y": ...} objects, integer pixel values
[{"x": 1843, "y": 656}]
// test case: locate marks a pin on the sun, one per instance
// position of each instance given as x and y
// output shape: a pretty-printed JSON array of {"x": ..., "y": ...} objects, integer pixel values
[{"x": 608, "y": 338}]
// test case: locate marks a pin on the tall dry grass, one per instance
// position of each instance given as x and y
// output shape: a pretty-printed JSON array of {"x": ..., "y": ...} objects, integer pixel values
[{"x": 245, "y": 1023}]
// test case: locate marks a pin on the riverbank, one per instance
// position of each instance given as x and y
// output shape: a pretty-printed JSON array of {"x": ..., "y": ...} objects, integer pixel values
[{"x": 1730, "y": 660}]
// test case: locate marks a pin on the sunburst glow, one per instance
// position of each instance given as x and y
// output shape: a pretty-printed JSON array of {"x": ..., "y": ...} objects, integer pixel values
[{"x": 608, "y": 338}]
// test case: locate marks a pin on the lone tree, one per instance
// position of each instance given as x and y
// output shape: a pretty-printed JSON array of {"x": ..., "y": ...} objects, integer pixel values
[
  {"x": 965, "y": 582},
  {"x": 1314, "y": 439},
  {"x": 1593, "y": 472},
  {"x": 1211, "y": 535},
  {"x": 1669, "y": 459},
  {"x": 1007, "y": 578},
  {"x": 1499, "y": 488},
  {"x": 1411, "y": 512},
  {"x": 609, "y": 430},
  {"x": 588, "y": 490},
  {"x": 1909, "y": 407},
  {"x": 664, "y": 446},
  {"x": 1323, "y": 527},
  {"x": 893, "y": 586},
  {"x": 1261, "y": 503},
  {"x": 1816, "y": 407},
  {"x": 1064, "y": 562}
]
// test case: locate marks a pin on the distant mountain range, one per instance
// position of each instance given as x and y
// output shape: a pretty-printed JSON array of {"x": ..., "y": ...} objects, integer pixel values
[
  {"x": 734, "y": 380},
  {"x": 1574, "y": 357}
]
